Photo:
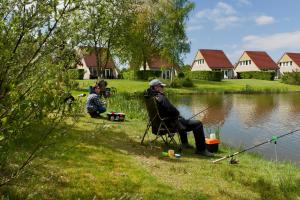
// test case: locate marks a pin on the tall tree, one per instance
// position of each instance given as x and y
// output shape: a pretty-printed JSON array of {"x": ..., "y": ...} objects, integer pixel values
[
  {"x": 103, "y": 24},
  {"x": 174, "y": 42}
]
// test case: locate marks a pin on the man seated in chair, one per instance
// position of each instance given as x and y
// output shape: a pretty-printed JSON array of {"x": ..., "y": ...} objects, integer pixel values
[{"x": 167, "y": 110}]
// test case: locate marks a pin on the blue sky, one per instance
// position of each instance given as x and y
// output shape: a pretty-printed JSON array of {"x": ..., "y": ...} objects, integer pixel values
[{"x": 238, "y": 25}]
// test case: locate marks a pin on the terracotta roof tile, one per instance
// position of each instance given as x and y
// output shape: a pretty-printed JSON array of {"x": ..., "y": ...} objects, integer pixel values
[
  {"x": 262, "y": 60},
  {"x": 156, "y": 62},
  {"x": 216, "y": 59},
  {"x": 90, "y": 60},
  {"x": 295, "y": 57}
]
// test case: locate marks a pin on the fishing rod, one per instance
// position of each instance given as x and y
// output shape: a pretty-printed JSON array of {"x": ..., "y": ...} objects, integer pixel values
[
  {"x": 273, "y": 139},
  {"x": 208, "y": 107}
]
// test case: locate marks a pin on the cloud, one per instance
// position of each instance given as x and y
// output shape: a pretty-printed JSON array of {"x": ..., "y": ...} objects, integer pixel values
[
  {"x": 223, "y": 15},
  {"x": 287, "y": 40},
  {"x": 264, "y": 20},
  {"x": 244, "y": 2}
]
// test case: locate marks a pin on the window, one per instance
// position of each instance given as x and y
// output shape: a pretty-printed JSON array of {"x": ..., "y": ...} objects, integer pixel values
[
  {"x": 200, "y": 61},
  {"x": 291, "y": 63}
]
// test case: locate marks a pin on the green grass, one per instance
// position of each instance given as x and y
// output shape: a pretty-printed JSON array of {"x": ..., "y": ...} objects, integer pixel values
[
  {"x": 225, "y": 86},
  {"x": 99, "y": 159},
  {"x": 104, "y": 160}
]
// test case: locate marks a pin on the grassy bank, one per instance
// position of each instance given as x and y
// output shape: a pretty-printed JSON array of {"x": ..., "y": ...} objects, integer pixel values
[
  {"x": 104, "y": 160},
  {"x": 99, "y": 159},
  {"x": 225, "y": 86}
]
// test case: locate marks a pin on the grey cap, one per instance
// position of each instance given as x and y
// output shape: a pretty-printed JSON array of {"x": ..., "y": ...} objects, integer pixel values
[{"x": 155, "y": 82}]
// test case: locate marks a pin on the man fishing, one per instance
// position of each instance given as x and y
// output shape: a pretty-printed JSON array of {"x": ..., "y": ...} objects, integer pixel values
[{"x": 167, "y": 110}]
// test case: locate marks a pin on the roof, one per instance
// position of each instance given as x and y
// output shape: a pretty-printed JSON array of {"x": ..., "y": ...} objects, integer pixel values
[
  {"x": 157, "y": 62},
  {"x": 262, "y": 60},
  {"x": 91, "y": 61},
  {"x": 216, "y": 59},
  {"x": 295, "y": 57}
]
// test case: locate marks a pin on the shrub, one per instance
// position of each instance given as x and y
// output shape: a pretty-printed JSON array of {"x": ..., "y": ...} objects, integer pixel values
[
  {"x": 207, "y": 75},
  {"x": 145, "y": 75},
  {"x": 291, "y": 78},
  {"x": 187, "y": 83},
  {"x": 128, "y": 74},
  {"x": 76, "y": 73},
  {"x": 180, "y": 75},
  {"x": 176, "y": 83},
  {"x": 256, "y": 75}
]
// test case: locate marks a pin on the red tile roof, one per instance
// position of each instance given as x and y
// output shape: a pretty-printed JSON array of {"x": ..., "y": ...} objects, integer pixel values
[
  {"x": 157, "y": 62},
  {"x": 90, "y": 60},
  {"x": 295, "y": 57},
  {"x": 216, "y": 59},
  {"x": 262, "y": 60}
]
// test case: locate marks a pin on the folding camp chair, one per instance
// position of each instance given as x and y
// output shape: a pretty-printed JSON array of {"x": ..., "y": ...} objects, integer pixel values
[{"x": 158, "y": 124}]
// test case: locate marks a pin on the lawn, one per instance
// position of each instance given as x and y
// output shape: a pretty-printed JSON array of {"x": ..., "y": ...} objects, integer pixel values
[{"x": 225, "y": 86}]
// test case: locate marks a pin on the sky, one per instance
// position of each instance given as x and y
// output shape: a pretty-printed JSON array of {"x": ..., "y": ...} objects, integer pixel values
[{"x": 235, "y": 26}]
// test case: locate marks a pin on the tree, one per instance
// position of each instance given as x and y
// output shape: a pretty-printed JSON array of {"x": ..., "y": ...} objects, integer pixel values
[
  {"x": 103, "y": 25},
  {"x": 33, "y": 78},
  {"x": 174, "y": 41},
  {"x": 159, "y": 29}
]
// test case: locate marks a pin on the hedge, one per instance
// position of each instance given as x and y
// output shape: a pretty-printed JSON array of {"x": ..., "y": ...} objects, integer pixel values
[
  {"x": 256, "y": 75},
  {"x": 145, "y": 75},
  {"x": 206, "y": 75},
  {"x": 76, "y": 73},
  {"x": 291, "y": 78}
]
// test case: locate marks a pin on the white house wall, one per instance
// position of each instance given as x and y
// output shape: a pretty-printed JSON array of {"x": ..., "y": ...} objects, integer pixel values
[
  {"x": 87, "y": 72},
  {"x": 200, "y": 67},
  {"x": 245, "y": 68},
  {"x": 290, "y": 68}
]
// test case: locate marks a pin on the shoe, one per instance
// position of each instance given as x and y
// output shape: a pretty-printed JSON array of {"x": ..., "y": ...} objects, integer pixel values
[
  {"x": 187, "y": 146},
  {"x": 205, "y": 153}
]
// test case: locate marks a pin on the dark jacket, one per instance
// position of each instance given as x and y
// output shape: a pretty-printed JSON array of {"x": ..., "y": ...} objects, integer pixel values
[{"x": 166, "y": 109}]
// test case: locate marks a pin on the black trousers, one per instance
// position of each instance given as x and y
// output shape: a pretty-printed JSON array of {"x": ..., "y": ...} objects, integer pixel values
[{"x": 197, "y": 127}]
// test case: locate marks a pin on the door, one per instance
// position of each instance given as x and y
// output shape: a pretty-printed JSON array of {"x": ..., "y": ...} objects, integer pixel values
[{"x": 107, "y": 73}]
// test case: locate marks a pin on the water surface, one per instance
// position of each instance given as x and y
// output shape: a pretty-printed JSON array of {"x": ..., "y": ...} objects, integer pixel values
[{"x": 249, "y": 119}]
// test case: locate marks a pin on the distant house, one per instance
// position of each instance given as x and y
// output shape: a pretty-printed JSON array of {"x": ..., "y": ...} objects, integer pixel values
[
  {"x": 289, "y": 62},
  {"x": 255, "y": 61},
  {"x": 157, "y": 63},
  {"x": 212, "y": 60},
  {"x": 88, "y": 62}
]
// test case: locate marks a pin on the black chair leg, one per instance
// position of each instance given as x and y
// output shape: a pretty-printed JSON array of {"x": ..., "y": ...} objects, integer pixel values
[{"x": 146, "y": 131}]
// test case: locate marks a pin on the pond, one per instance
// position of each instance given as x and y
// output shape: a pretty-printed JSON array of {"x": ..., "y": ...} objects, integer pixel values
[{"x": 245, "y": 120}]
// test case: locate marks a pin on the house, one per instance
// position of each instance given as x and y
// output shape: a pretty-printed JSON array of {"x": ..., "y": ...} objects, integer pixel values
[
  {"x": 88, "y": 62},
  {"x": 255, "y": 61},
  {"x": 212, "y": 60},
  {"x": 157, "y": 63},
  {"x": 289, "y": 62}
]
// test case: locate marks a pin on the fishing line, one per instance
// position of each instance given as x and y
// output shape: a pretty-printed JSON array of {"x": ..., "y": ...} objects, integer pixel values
[
  {"x": 207, "y": 108},
  {"x": 273, "y": 139}
]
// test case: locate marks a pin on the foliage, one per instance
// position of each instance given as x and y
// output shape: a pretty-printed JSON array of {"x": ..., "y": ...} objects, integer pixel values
[
  {"x": 180, "y": 75},
  {"x": 76, "y": 73},
  {"x": 146, "y": 75},
  {"x": 256, "y": 75},
  {"x": 206, "y": 75},
  {"x": 101, "y": 26},
  {"x": 34, "y": 81},
  {"x": 292, "y": 78},
  {"x": 159, "y": 30},
  {"x": 178, "y": 83},
  {"x": 128, "y": 74}
]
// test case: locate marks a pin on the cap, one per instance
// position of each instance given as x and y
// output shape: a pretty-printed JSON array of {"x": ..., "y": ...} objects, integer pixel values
[{"x": 155, "y": 82}]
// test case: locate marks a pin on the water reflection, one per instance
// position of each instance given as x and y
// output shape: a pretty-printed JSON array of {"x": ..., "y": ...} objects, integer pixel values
[
  {"x": 255, "y": 110},
  {"x": 246, "y": 120}
]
